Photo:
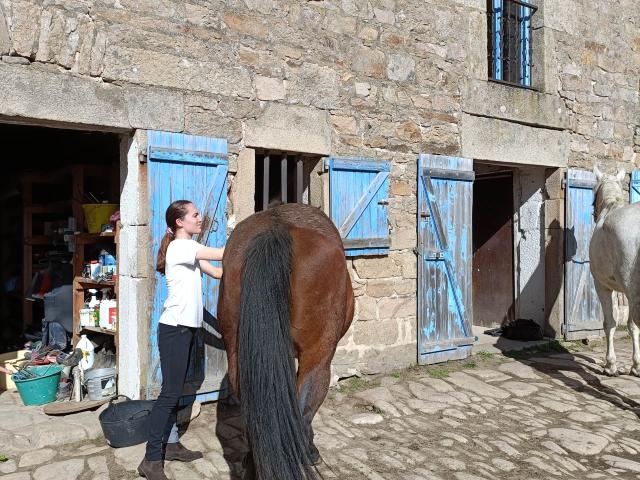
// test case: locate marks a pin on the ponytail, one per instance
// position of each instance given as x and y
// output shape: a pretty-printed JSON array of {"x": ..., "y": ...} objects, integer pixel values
[
  {"x": 162, "y": 252},
  {"x": 177, "y": 210}
]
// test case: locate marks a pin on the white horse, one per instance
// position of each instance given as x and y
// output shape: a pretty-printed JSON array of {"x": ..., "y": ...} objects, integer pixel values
[{"x": 614, "y": 254}]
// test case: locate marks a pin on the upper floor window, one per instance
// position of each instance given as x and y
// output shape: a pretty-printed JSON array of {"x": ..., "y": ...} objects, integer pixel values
[{"x": 509, "y": 43}]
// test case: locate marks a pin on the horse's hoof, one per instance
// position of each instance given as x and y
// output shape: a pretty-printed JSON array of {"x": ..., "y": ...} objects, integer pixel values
[
  {"x": 634, "y": 371},
  {"x": 314, "y": 455},
  {"x": 611, "y": 372}
]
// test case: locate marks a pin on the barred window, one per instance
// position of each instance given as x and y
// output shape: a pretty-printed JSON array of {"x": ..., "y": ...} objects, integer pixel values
[{"x": 509, "y": 41}]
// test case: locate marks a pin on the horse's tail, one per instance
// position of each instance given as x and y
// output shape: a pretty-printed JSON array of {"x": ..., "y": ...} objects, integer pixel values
[{"x": 277, "y": 436}]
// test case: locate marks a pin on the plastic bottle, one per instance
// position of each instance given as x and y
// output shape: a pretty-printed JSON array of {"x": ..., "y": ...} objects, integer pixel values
[
  {"x": 86, "y": 316},
  {"x": 108, "y": 262},
  {"x": 105, "y": 303},
  {"x": 107, "y": 314},
  {"x": 113, "y": 315},
  {"x": 88, "y": 355},
  {"x": 94, "y": 299},
  {"x": 94, "y": 306}
]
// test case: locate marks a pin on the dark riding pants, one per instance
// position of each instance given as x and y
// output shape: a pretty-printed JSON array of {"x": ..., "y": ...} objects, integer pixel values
[{"x": 174, "y": 344}]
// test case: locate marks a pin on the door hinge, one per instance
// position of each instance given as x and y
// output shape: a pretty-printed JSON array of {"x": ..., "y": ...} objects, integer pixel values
[{"x": 142, "y": 157}]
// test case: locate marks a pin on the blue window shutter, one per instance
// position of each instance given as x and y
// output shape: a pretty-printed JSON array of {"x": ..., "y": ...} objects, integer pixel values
[
  {"x": 497, "y": 39},
  {"x": 358, "y": 193},
  {"x": 634, "y": 187}
]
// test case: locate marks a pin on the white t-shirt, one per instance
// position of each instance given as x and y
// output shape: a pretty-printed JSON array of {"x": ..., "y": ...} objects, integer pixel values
[{"x": 183, "y": 305}]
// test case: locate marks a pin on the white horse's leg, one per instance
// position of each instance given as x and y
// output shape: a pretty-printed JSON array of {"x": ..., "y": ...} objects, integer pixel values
[
  {"x": 634, "y": 331},
  {"x": 606, "y": 301}
]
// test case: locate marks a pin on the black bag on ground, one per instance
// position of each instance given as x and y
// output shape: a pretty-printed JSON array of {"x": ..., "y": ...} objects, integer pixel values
[{"x": 523, "y": 329}]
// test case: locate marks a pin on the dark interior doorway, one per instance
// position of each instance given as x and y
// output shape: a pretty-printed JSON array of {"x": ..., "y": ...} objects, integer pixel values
[
  {"x": 493, "y": 290},
  {"x": 47, "y": 175}
]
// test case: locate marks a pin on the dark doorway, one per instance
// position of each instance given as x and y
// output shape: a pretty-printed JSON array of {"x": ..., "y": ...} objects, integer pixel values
[
  {"x": 493, "y": 299},
  {"x": 48, "y": 174}
]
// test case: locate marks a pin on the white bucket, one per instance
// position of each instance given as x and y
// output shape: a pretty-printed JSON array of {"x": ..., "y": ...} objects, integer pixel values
[{"x": 101, "y": 383}]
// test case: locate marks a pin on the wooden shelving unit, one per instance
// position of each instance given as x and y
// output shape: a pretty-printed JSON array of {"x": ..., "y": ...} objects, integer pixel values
[
  {"x": 81, "y": 284},
  {"x": 60, "y": 178}
]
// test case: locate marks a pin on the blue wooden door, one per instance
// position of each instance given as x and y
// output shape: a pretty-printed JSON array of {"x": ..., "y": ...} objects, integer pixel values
[
  {"x": 191, "y": 168},
  {"x": 583, "y": 312},
  {"x": 634, "y": 187},
  {"x": 445, "y": 205},
  {"x": 359, "y": 192}
]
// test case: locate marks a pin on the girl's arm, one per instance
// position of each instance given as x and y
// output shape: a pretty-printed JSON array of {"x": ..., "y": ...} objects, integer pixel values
[
  {"x": 208, "y": 253},
  {"x": 214, "y": 272}
]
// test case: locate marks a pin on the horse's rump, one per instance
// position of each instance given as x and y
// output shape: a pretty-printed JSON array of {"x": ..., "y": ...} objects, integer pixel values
[{"x": 286, "y": 293}]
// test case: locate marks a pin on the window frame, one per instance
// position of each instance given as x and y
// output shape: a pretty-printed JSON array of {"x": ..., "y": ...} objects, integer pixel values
[{"x": 498, "y": 35}]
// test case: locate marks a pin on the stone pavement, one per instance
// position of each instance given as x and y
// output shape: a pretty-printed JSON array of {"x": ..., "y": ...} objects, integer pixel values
[{"x": 542, "y": 414}]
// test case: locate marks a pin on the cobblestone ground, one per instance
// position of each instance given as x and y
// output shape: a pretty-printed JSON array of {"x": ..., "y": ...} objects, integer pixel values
[{"x": 540, "y": 415}]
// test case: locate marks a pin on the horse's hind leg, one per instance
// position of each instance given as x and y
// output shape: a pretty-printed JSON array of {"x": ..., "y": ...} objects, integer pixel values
[
  {"x": 606, "y": 301},
  {"x": 633, "y": 325},
  {"x": 314, "y": 377}
]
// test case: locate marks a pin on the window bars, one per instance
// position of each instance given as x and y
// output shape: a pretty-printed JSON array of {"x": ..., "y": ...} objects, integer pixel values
[
  {"x": 290, "y": 188},
  {"x": 509, "y": 42}
]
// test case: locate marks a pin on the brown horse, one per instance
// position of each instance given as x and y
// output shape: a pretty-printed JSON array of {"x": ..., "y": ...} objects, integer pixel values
[{"x": 285, "y": 294}]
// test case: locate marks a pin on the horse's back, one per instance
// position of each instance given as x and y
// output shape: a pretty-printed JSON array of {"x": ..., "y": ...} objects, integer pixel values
[
  {"x": 302, "y": 216},
  {"x": 615, "y": 246},
  {"x": 289, "y": 215},
  {"x": 621, "y": 228}
]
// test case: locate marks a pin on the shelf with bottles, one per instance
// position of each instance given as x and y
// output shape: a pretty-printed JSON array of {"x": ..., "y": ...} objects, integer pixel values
[
  {"x": 95, "y": 277},
  {"x": 95, "y": 309}
]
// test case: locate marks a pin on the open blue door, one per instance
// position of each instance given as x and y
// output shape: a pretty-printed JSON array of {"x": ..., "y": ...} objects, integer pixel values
[
  {"x": 634, "y": 187},
  {"x": 583, "y": 312},
  {"x": 445, "y": 205},
  {"x": 192, "y": 168}
]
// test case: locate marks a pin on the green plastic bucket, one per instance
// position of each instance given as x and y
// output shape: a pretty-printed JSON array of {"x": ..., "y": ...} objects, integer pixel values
[{"x": 41, "y": 389}]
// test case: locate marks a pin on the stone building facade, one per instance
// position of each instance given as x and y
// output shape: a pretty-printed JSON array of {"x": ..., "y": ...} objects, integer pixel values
[{"x": 380, "y": 79}]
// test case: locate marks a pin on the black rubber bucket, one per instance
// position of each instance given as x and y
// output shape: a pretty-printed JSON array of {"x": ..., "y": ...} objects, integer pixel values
[{"x": 126, "y": 423}]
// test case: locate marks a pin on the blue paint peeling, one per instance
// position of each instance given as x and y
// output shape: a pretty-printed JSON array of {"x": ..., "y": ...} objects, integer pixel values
[
  {"x": 583, "y": 312},
  {"x": 350, "y": 181},
  {"x": 444, "y": 269},
  {"x": 634, "y": 187},
  {"x": 195, "y": 168}
]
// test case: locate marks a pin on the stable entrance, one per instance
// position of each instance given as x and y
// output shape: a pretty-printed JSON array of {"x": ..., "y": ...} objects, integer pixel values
[
  {"x": 493, "y": 291},
  {"x": 60, "y": 191},
  {"x": 481, "y": 251}
]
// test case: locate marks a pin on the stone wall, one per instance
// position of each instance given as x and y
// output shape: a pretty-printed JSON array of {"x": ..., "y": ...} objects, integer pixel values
[
  {"x": 383, "y": 79},
  {"x": 596, "y": 58}
]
